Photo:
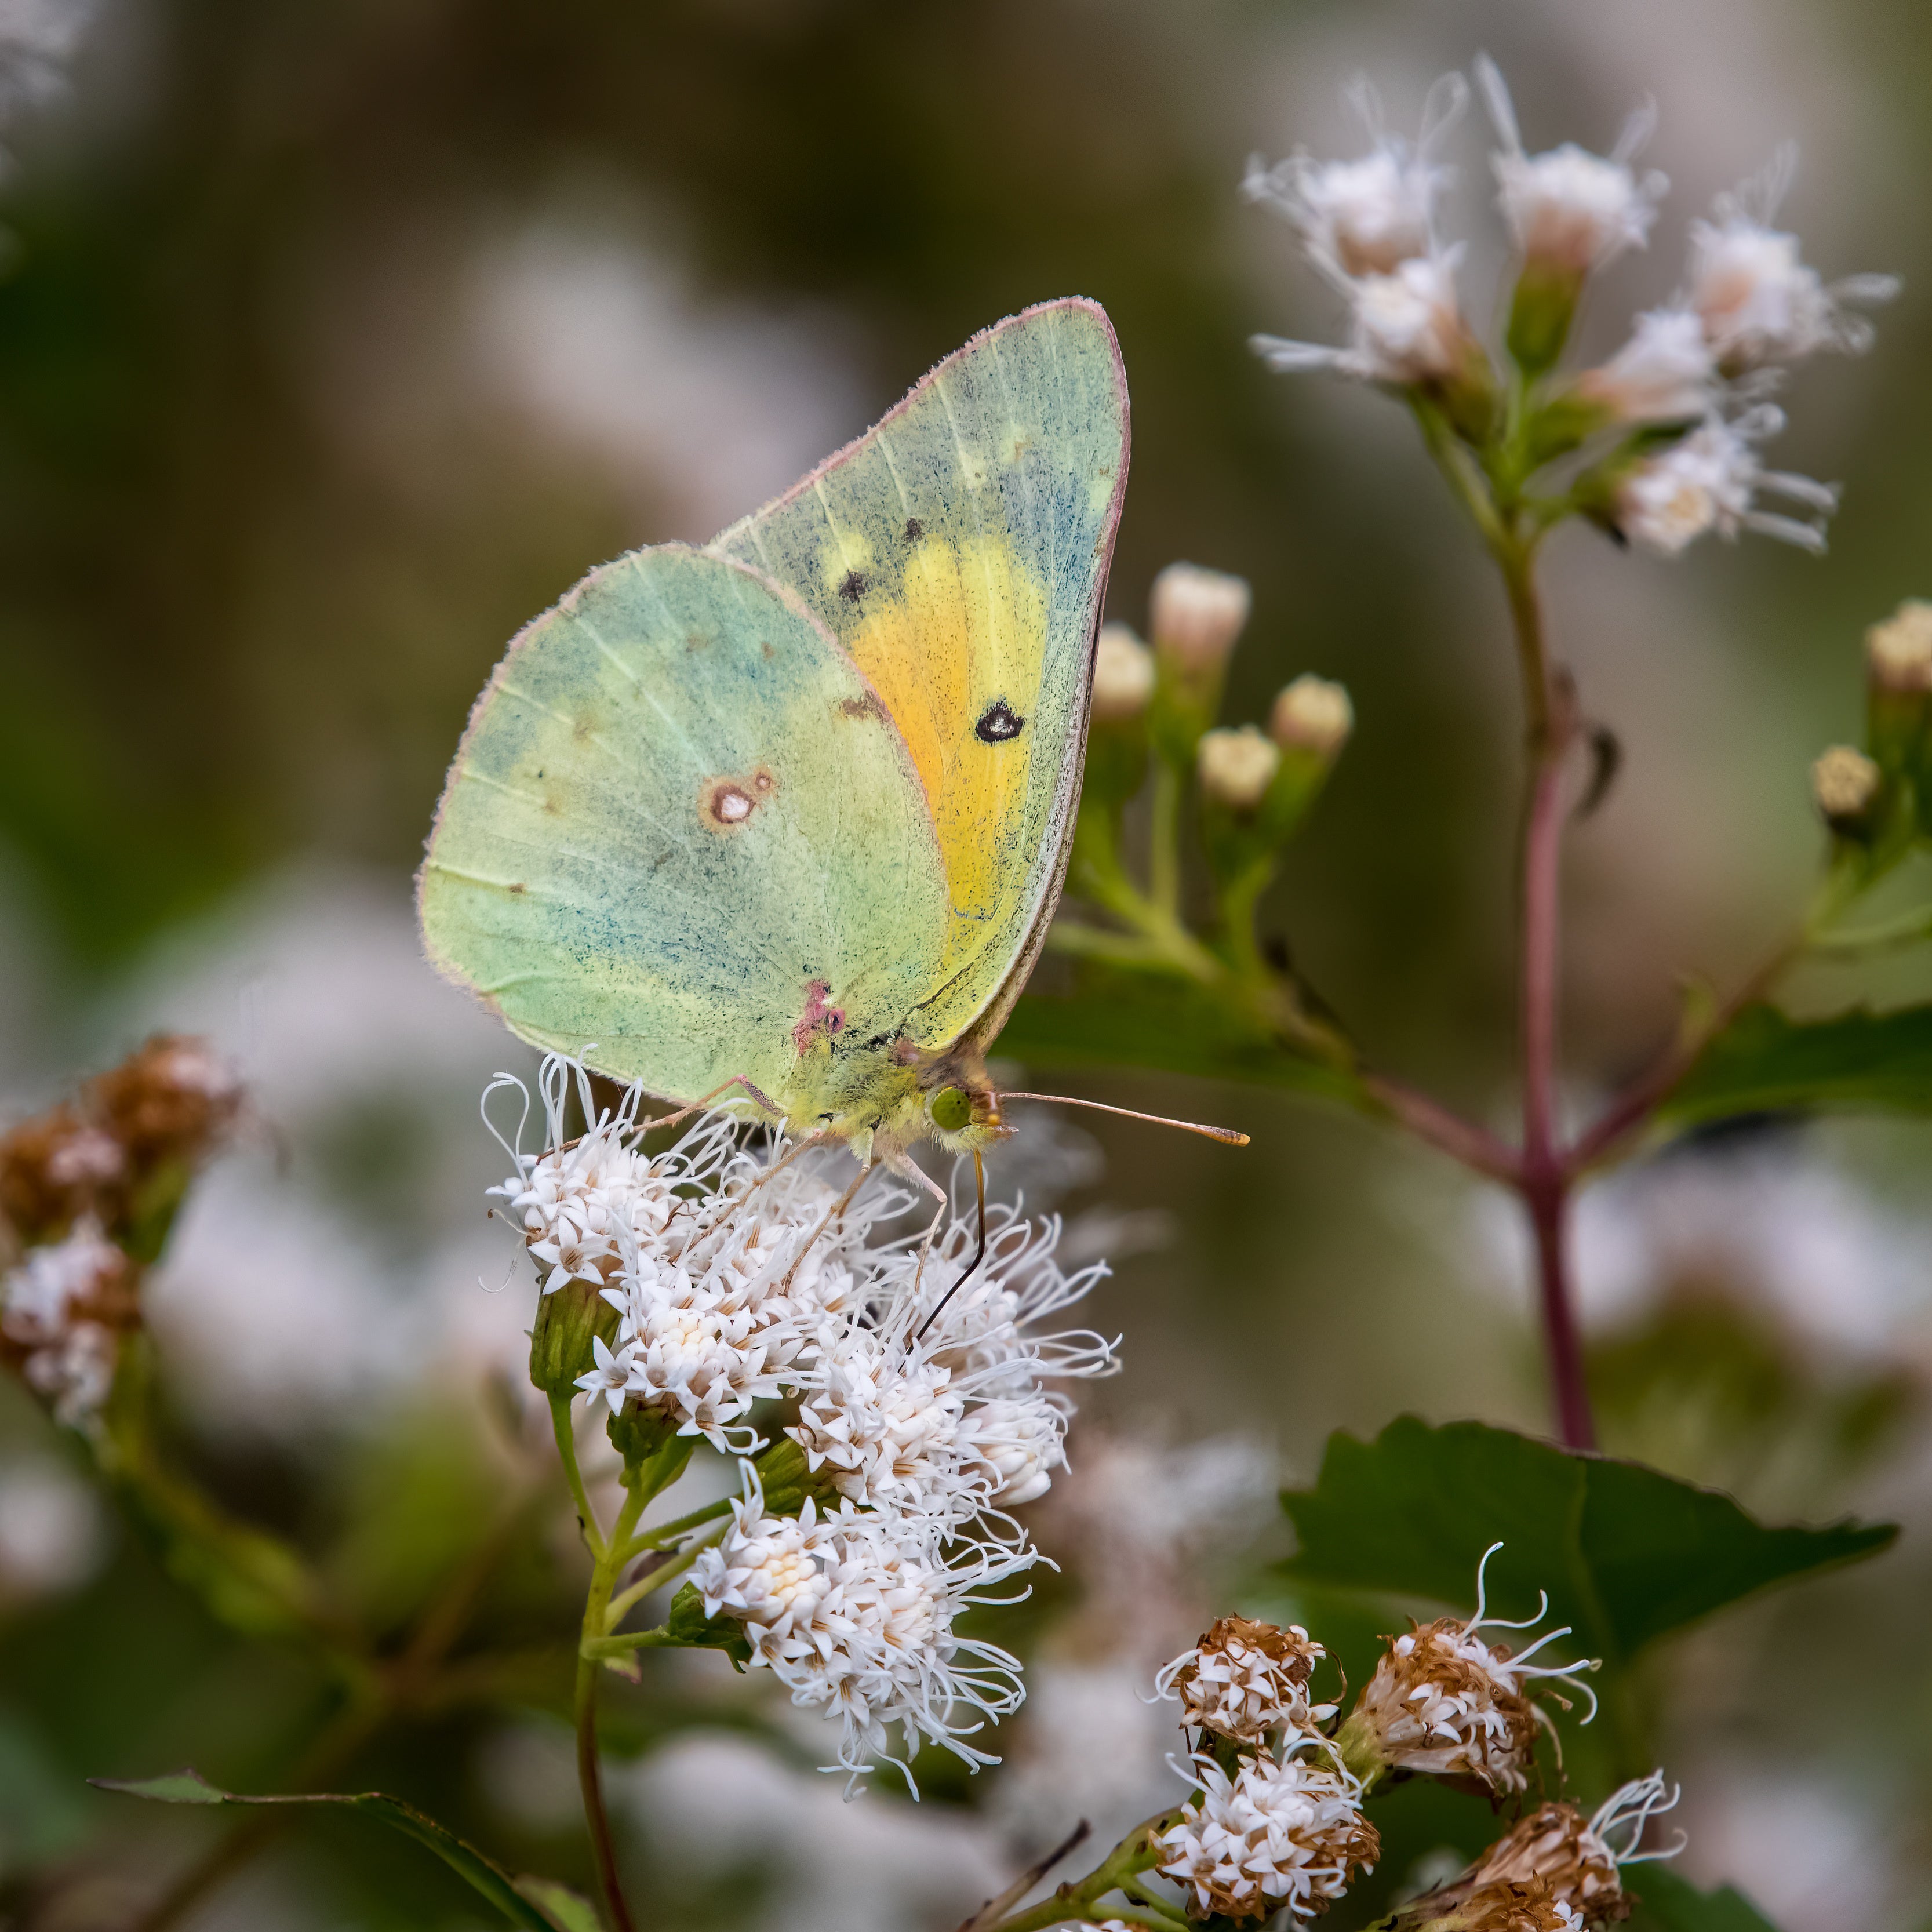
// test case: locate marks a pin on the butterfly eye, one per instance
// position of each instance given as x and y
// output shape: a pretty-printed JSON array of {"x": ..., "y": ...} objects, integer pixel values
[{"x": 951, "y": 1108}]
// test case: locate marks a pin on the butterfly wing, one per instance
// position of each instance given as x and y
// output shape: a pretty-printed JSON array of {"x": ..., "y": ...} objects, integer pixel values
[
  {"x": 678, "y": 810},
  {"x": 958, "y": 551}
]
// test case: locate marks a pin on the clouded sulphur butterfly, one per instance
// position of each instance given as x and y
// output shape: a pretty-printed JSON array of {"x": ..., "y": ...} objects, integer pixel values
[{"x": 792, "y": 810}]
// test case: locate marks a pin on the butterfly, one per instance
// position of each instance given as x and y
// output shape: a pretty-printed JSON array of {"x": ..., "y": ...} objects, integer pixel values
[{"x": 788, "y": 813}]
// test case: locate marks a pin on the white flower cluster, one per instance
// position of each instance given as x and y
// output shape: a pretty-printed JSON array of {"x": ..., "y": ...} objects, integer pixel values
[
  {"x": 48, "y": 1306},
  {"x": 1290, "y": 1835},
  {"x": 1750, "y": 306},
  {"x": 924, "y": 1408}
]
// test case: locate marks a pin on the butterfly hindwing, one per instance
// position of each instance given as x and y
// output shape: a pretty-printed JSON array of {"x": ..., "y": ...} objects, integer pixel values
[
  {"x": 681, "y": 828},
  {"x": 958, "y": 551}
]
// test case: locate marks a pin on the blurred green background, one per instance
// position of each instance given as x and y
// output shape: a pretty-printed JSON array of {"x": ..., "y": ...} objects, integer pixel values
[{"x": 338, "y": 339}]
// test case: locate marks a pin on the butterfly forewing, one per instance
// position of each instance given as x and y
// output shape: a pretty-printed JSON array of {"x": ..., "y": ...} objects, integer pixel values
[{"x": 959, "y": 551}]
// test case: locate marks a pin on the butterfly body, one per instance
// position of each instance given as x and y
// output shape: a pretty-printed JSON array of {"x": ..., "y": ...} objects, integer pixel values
[{"x": 791, "y": 811}]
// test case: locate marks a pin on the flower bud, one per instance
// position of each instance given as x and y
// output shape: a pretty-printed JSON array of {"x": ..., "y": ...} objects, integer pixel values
[
  {"x": 1898, "y": 652},
  {"x": 1846, "y": 786},
  {"x": 568, "y": 1321},
  {"x": 1124, "y": 688},
  {"x": 1123, "y": 676},
  {"x": 1898, "y": 697},
  {"x": 1196, "y": 616},
  {"x": 1236, "y": 766},
  {"x": 1244, "y": 1679},
  {"x": 1312, "y": 715}
]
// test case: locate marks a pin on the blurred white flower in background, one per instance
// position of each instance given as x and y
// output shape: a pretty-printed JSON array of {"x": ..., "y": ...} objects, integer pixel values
[
  {"x": 53, "y": 1534},
  {"x": 712, "y": 1805},
  {"x": 599, "y": 333},
  {"x": 328, "y": 1269}
]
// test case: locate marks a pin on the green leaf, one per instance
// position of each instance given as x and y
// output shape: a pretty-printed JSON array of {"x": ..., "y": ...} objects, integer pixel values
[
  {"x": 1627, "y": 1553},
  {"x": 1665, "y": 1903},
  {"x": 1766, "y": 1061},
  {"x": 1170, "y": 1024},
  {"x": 189, "y": 1787},
  {"x": 687, "y": 1624},
  {"x": 568, "y": 1911}
]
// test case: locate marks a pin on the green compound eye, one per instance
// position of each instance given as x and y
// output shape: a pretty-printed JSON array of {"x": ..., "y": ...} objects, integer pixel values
[{"x": 951, "y": 1108}]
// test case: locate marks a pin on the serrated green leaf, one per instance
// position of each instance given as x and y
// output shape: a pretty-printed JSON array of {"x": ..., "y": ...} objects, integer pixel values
[
  {"x": 1168, "y": 1025},
  {"x": 189, "y": 1787},
  {"x": 1626, "y": 1553},
  {"x": 1765, "y": 1061},
  {"x": 1665, "y": 1903}
]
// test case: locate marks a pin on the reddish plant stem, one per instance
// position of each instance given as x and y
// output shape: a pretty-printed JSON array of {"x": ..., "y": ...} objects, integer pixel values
[
  {"x": 590, "y": 1782},
  {"x": 1546, "y": 1170}
]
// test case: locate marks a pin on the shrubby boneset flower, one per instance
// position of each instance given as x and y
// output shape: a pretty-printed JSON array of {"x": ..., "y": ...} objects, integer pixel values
[
  {"x": 1272, "y": 1835},
  {"x": 1245, "y": 1678},
  {"x": 927, "y": 1399},
  {"x": 1445, "y": 1701}
]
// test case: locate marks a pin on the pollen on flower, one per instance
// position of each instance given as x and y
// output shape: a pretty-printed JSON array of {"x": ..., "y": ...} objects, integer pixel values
[
  {"x": 1289, "y": 1834},
  {"x": 1244, "y": 1679}
]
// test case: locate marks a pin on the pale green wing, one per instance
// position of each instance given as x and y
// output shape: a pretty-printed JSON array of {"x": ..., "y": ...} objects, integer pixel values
[
  {"x": 959, "y": 551},
  {"x": 681, "y": 831}
]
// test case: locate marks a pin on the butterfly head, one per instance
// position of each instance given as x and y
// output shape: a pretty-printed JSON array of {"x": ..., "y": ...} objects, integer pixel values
[{"x": 962, "y": 1111}]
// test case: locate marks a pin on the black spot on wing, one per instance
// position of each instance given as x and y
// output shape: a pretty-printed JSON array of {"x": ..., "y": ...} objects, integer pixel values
[
  {"x": 914, "y": 530},
  {"x": 998, "y": 723},
  {"x": 852, "y": 586}
]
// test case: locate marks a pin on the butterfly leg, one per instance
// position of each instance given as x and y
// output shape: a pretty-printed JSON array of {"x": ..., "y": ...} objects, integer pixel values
[
  {"x": 910, "y": 1170},
  {"x": 698, "y": 1105},
  {"x": 838, "y": 1208}
]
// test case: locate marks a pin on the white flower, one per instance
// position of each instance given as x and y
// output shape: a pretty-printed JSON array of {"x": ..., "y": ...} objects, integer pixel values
[
  {"x": 1709, "y": 481},
  {"x": 1443, "y": 1701},
  {"x": 1244, "y": 1678},
  {"x": 1406, "y": 328},
  {"x": 853, "y": 1614},
  {"x": 38, "y": 1298},
  {"x": 1017, "y": 1443},
  {"x": 1555, "y": 1850},
  {"x": 1289, "y": 1834},
  {"x": 1759, "y": 301},
  {"x": 611, "y": 1377},
  {"x": 1665, "y": 373},
  {"x": 75, "y": 1372},
  {"x": 886, "y": 1429},
  {"x": 1569, "y": 209},
  {"x": 1365, "y": 216}
]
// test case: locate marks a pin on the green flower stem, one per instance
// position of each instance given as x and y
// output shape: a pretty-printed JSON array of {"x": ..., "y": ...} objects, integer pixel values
[
  {"x": 655, "y": 1579},
  {"x": 1164, "y": 842},
  {"x": 1908, "y": 929},
  {"x": 669, "y": 1532},
  {"x": 596, "y": 1610},
  {"x": 561, "y": 1426},
  {"x": 1138, "y": 1852}
]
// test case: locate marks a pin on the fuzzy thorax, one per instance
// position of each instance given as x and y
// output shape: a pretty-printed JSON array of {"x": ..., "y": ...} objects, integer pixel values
[{"x": 885, "y": 1103}]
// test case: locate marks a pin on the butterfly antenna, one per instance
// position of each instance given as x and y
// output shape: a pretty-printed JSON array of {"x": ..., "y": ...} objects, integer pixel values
[
  {"x": 1227, "y": 1135},
  {"x": 979, "y": 1253}
]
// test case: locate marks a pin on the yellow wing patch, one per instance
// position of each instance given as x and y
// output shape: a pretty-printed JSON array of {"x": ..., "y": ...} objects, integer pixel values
[{"x": 957, "y": 658}]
